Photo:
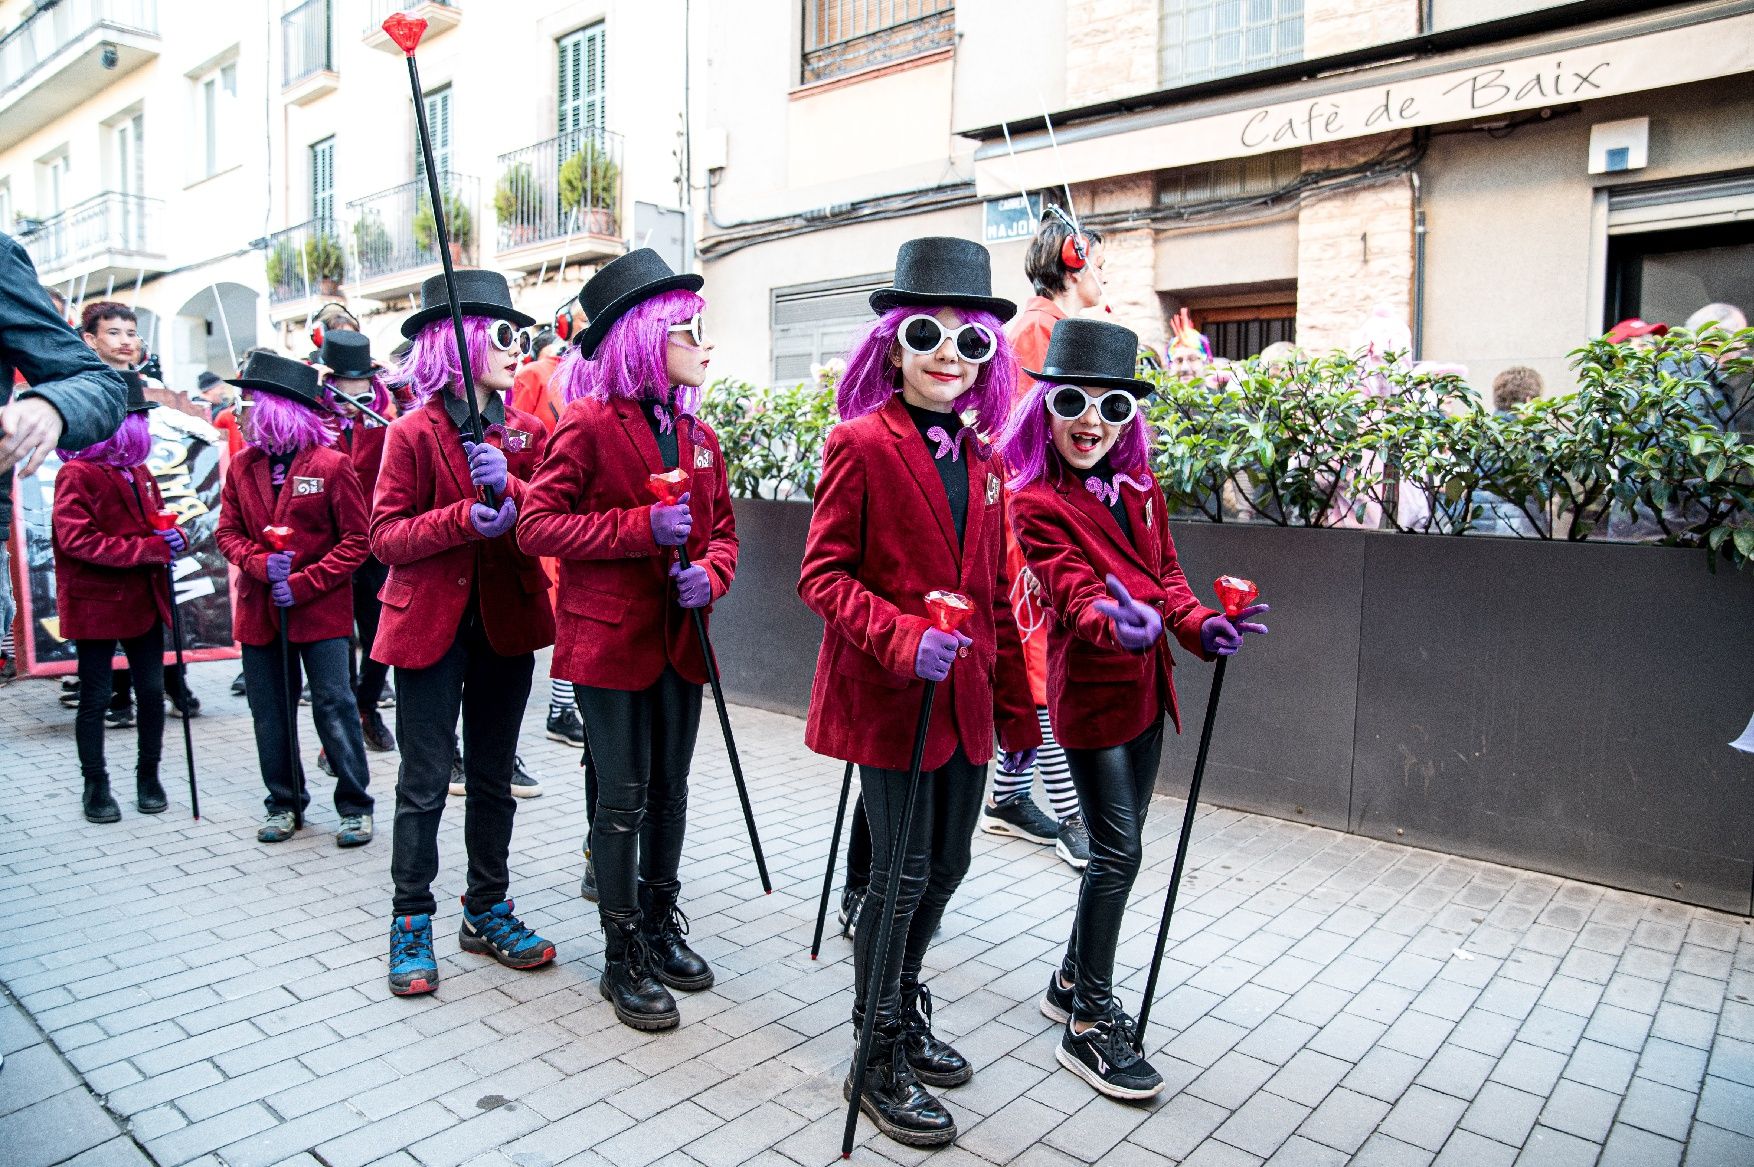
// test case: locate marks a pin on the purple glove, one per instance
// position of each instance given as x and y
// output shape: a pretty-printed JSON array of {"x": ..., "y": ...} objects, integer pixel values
[
  {"x": 486, "y": 466},
  {"x": 937, "y": 652},
  {"x": 693, "y": 588},
  {"x": 174, "y": 539},
  {"x": 670, "y": 525},
  {"x": 1221, "y": 636},
  {"x": 1017, "y": 761},
  {"x": 490, "y": 523},
  {"x": 279, "y": 566},
  {"x": 282, "y": 593},
  {"x": 1137, "y": 626}
]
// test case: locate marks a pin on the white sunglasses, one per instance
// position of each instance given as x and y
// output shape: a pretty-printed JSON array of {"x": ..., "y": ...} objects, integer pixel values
[
  {"x": 922, "y": 334},
  {"x": 1115, "y": 406},
  {"x": 693, "y": 327},
  {"x": 504, "y": 335}
]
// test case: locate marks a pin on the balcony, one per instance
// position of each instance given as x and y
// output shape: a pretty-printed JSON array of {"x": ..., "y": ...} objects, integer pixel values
[
  {"x": 109, "y": 238},
  {"x": 843, "y": 37},
  {"x": 395, "y": 239},
  {"x": 306, "y": 263},
  {"x": 307, "y": 52},
  {"x": 61, "y": 56},
  {"x": 440, "y": 16},
  {"x": 559, "y": 200}
]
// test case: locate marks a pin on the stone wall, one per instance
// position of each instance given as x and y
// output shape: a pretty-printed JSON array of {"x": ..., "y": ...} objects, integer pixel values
[
  {"x": 1339, "y": 26},
  {"x": 1354, "y": 249},
  {"x": 1111, "y": 49}
]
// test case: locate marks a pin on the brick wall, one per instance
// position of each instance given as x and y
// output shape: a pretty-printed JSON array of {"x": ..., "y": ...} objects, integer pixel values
[
  {"x": 1337, "y": 26},
  {"x": 1354, "y": 250},
  {"x": 1111, "y": 49}
]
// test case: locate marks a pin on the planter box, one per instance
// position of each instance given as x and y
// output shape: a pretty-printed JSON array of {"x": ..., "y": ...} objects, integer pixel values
[{"x": 1552, "y": 706}]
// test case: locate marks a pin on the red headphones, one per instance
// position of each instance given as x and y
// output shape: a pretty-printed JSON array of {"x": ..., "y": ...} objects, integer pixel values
[
  {"x": 1075, "y": 251},
  {"x": 563, "y": 318}
]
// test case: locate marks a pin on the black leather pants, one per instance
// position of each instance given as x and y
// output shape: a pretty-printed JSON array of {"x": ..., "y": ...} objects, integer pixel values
[{"x": 1114, "y": 790}]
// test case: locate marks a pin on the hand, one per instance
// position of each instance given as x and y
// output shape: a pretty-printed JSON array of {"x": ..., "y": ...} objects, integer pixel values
[
  {"x": 937, "y": 652},
  {"x": 1222, "y": 636},
  {"x": 670, "y": 525},
  {"x": 279, "y": 566},
  {"x": 486, "y": 466},
  {"x": 29, "y": 429},
  {"x": 693, "y": 587},
  {"x": 174, "y": 539},
  {"x": 282, "y": 594},
  {"x": 1017, "y": 761},
  {"x": 1137, "y": 626},
  {"x": 490, "y": 523}
]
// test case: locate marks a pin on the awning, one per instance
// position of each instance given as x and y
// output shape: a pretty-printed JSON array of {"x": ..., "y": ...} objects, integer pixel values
[{"x": 1657, "y": 51}]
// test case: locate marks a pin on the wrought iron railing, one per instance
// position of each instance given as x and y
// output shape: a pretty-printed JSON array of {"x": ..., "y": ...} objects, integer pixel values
[
  {"x": 845, "y": 36},
  {"x": 109, "y": 223},
  {"x": 378, "y": 10},
  {"x": 568, "y": 185},
  {"x": 307, "y": 41},
  {"x": 49, "y": 30},
  {"x": 306, "y": 261},
  {"x": 394, "y": 230}
]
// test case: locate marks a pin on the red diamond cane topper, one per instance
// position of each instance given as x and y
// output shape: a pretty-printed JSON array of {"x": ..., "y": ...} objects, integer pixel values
[
  {"x": 278, "y": 537},
  {"x": 163, "y": 519},
  {"x": 948, "y": 609},
  {"x": 1235, "y": 594},
  {"x": 405, "y": 30},
  {"x": 669, "y": 486}
]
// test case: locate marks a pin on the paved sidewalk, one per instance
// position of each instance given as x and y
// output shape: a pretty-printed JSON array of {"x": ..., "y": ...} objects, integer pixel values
[{"x": 1327, "y": 999}]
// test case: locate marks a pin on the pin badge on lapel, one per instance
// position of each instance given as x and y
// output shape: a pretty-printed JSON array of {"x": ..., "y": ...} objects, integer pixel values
[
  {"x": 992, "y": 489},
  {"x": 516, "y": 440},
  {"x": 703, "y": 458},
  {"x": 303, "y": 486},
  {"x": 1147, "y": 512}
]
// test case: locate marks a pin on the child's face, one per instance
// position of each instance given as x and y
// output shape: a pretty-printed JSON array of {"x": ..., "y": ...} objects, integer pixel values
[
  {"x": 685, "y": 359},
  {"x": 936, "y": 379},
  {"x": 350, "y": 387},
  {"x": 501, "y": 370},
  {"x": 1085, "y": 441}
]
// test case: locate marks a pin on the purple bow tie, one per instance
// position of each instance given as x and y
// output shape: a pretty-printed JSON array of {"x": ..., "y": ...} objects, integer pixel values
[
  {"x": 1108, "y": 491},
  {"x": 127, "y": 474},
  {"x": 277, "y": 474},
  {"x": 946, "y": 443},
  {"x": 665, "y": 422}
]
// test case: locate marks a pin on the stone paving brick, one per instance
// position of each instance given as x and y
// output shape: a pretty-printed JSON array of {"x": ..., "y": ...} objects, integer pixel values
[
  {"x": 1630, "y": 1147},
  {"x": 1216, "y": 1154},
  {"x": 1344, "y": 1120},
  {"x": 1456, "y": 1071},
  {"x": 1382, "y": 1151},
  {"x": 1384, "y": 1073},
  {"x": 1710, "y": 1146},
  {"x": 1179, "y": 1125},
  {"x": 1580, "y": 1110},
  {"x": 1503, "y": 1114},
  {"x": 1554, "y": 1148},
  {"x": 1727, "y": 1104},
  {"x": 53, "y": 1129},
  {"x": 1423, "y": 1117},
  {"x": 1467, "y": 1149}
]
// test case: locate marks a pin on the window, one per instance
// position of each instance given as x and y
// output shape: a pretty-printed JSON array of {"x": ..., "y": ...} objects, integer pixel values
[
  {"x": 55, "y": 188},
  {"x": 816, "y": 323},
  {"x": 583, "y": 69},
  {"x": 1243, "y": 331},
  {"x": 1230, "y": 178},
  {"x": 216, "y": 99},
  {"x": 323, "y": 181},
  {"x": 438, "y": 124},
  {"x": 1203, "y": 39},
  {"x": 1674, "y": 247},
  {"x": 129, "y": 157},
  {"x": 847, "y": 36}
]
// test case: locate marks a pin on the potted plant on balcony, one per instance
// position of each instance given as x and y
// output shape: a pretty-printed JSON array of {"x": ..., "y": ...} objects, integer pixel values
[
  {"x": 283, "y": 265},
  {"x": 324, "y": 262},
  {"x": 590, "y": 182},
  {"x": 371, "y": 241},
  {"x": 458, "y": 220},
  {"x": 517, "y": 201}
]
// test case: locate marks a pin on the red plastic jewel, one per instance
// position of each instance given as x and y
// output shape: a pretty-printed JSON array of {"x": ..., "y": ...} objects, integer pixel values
[
  {"x": 1235, "y": 594},
  {"x": 669, "y": 486},
  {"x": 163, "y": 520},
  {"x": 948, "y": 609},
  {"x": 405, "y": 30},
  {"x": 278, "y": 537}
]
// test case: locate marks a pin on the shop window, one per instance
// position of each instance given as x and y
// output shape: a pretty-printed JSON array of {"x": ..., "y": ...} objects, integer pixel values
[
  {"x": 848, "y": 36},
  {"x": 1239, "y": 332},
  {"x": 1668, "y": 275},
  {"x": 1203, "y": 39},
  {"x": 817, "y": 323}
]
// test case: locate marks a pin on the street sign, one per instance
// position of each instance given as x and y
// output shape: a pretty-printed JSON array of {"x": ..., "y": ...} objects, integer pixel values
[{"x": 1008, "y": 219}]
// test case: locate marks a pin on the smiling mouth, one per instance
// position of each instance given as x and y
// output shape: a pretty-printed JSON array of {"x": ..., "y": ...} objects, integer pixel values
[
  {"x": 945, "y": 378},
  {"x": 1085, "y": 443}
]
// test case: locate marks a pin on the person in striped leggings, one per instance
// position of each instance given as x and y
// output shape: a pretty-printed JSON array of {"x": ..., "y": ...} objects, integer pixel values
[{"x": 1012, "y": 812}]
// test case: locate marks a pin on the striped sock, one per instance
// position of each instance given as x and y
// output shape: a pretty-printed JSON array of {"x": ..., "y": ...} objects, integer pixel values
[
  {"x": 1056, "y": 774},
  {"x": 559, "y": 696}
]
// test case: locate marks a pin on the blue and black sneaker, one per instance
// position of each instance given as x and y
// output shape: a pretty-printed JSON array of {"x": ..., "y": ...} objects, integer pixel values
[
  {"x": 413, "y": 968},
  {"x": 499, "y": 934}
]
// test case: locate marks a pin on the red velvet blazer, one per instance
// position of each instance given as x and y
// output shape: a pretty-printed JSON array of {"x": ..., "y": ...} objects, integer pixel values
[
  {"x": 420, "y": 527},
  {"x": 590, "y": 509},
  {"x": 325, "y": 508},
  {"x": 1100, "y": 695},
  {"x": 109, "y": 565},
  {"x": 880, "y": 539},
  {"x": 365, "y": 445}
]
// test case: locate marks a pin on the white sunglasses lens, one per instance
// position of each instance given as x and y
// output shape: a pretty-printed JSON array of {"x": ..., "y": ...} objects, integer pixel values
[
  {"x": 1117, "y": 408},
  {"x": 1068, "y": 403},
  {"x": 975, "y": 343},
  {"x": 922, "y": 334}
]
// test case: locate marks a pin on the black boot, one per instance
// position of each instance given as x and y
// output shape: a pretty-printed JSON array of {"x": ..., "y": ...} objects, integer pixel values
[
  {"x": 673, "y": 962},
  {"x": 894, "y": 1099},
  {"x": 100, "y": 805},
  {"x": 934, "y": 1062},
  {"x": 149, "y": 796},
  {"x": 628, "y": 984}
]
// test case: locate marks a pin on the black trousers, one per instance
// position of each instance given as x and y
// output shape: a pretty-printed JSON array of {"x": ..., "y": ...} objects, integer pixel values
[
  {"x": 490, "y": 690},
  {"x": 145, "y": 655},
  {"x": 933, "y": 859},
  {"x": 859, "y": 848},
  {"x": 332, "y": 713},
  {"x": 367, "y": 582},
  {"x": 641, "y": 745},
  {"x": 122, "y": 685},
  {"x": 1114, "y": 791}
]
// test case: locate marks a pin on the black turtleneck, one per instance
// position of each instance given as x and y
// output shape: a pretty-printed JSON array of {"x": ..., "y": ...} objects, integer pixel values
[
  {"x": 952, "y": 473},
  {"x": 1117, "y": 506},
  {"x": 667, "y": 451}
]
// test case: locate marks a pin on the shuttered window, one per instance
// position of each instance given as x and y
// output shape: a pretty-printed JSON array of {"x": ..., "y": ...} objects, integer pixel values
[
  {"x": 816, "y": 323},
  {"x": 438, "y": 123},
  {"x": 323, "y": 181},
  {"x": 583, "y": 82}
]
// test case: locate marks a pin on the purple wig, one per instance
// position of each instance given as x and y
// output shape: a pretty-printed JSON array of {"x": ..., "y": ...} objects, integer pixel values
[
  {"x": 431, "y": 364},
  {"x": 125, "y": 448},
  {"x": 280, "y": 425},
  {"x": 871, "y": 379},
  {"x": 380, "y": 402},
  {"x": 631, "y": 360},
  {"x": 1027, "y": 443}
]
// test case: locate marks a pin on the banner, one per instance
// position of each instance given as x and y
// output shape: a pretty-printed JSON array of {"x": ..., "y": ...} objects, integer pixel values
[{"x": 187, "y": 463}]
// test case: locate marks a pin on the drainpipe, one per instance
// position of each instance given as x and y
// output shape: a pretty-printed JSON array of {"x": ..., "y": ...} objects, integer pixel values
[{"x": 1418, "y": 267}]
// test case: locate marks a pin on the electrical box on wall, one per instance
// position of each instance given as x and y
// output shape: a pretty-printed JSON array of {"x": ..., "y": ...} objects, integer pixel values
[{"x": 1617, "y": 146}]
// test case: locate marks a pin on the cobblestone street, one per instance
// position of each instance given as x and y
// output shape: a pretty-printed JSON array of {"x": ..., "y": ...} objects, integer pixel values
[{"x": 176, "y": 993}]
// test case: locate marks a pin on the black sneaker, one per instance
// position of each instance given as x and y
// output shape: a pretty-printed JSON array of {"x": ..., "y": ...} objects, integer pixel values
[
  {"x": 378, "y": 737},
  {"x": 588, "y": 884},
  {"x": 852, "y": 905},
  {"x": 1056, "y": 1003},
  {"x": 237, "y": 686},
  {"x": 565, "y": 727},
  {"x": 304, "y": 697},
  {"x": 1073, "y": 844},
  {"x": 188, "y": 705},
  {"x": 1105, "y": 1057},
  {"x": 458, "y": 784},
  {"x": 70, "y": 692},
  {"x": 523, "y": 784},
  {"x": 323, "y": 763},
  {"x": 1020, "y": 818},
  {"x": 120, "y": 717}
]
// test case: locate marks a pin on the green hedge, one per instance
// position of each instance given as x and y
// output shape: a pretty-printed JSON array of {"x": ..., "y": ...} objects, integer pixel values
[{"x": 1653, "y": 446}]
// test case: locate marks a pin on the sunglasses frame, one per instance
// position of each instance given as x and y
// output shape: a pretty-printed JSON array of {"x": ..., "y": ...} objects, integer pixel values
[
  {"x": 952, "y": 334},
  {"x": 693, "y": 327},
  {"x": 1132, "y": 404}
]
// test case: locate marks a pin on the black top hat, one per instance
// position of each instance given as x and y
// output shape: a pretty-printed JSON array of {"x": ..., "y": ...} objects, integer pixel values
[
  {"x": 479, "y": 293},
  {"x": 619, "y": 285},
  {"x": 939, "y": 270},
  {"x": 347, "y": 355},
  {"x": 281, "y": 376},
  {"x": 137, "y": 402},
  {"x": 1095, "y": 353}
]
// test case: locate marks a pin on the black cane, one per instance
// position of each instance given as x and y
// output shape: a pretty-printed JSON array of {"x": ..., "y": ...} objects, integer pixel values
[
  {"x": 406, "y": 31},
  {"x": 170, "y": 573},
  {"x": 840, "y": 816},
  {"x": 1181, "y": 847},
  {"x": 291, "y": 707},
  {"x": 886, "y": 927}
]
